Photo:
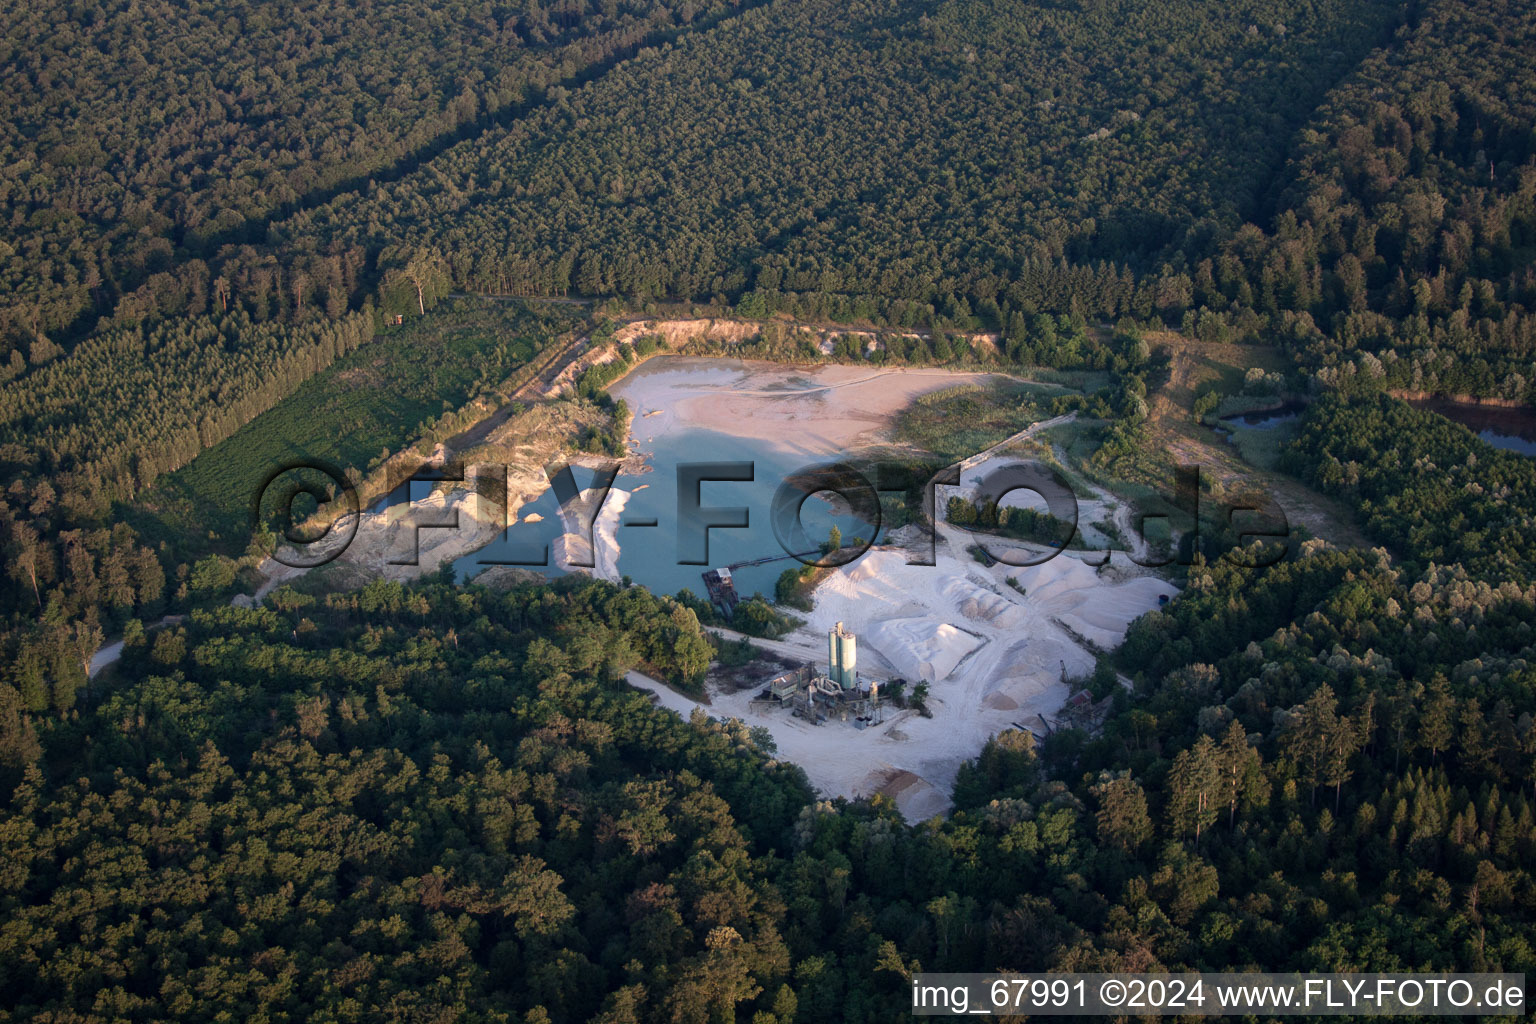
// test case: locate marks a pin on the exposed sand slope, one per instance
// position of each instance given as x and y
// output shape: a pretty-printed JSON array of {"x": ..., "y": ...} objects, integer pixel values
[
  {"x": 519, "y": 446},
  {"x": 384, "y": 546}
]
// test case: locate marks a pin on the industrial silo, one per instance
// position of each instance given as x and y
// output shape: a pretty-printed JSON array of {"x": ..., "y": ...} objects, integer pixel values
[{"x": 842, "y": 657}]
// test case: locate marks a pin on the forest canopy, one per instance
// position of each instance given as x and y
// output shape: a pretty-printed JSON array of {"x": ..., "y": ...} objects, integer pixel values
[
  {"x": 138, "y": 140},
  {"x": 405, "y": 802},
  {"x": 226, "y": 225}
]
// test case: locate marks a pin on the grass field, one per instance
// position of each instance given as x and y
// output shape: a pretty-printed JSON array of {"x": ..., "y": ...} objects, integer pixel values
[
  {"x": 371, "y": 402},
  {"x": 959, "y": 422}
]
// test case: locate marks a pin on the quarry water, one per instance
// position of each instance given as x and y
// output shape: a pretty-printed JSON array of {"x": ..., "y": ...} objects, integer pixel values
[
  {"x": 650, "y": 554},
  {"x": 651, "y": 548}
]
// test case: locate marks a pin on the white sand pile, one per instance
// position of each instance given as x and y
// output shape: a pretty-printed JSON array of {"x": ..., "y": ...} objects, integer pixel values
[
  {"x": 920, "y": 648},
  {"x": 983, "y": 605},
  {"x": 1045, "y": 656},
  {"x": 1095, "y": 608},
  {"x": 865, "y": 590},
  {"x": 1028, "y": 675}
]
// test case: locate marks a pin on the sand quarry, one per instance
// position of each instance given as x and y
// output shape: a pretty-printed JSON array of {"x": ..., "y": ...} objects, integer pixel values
[{"x": 994, "y": 658}]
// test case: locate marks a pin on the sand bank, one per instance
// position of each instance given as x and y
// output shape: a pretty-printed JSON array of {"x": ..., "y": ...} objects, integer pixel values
[{"x": 818, "y": 410}]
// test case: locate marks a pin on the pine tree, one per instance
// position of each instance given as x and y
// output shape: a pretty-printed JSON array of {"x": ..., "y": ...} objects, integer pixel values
[
  {"x": 1435, "y": 717},
  {"x": 1193, "y": 785},
  {"x": 1306, "y": 740},
  {"x": 1341, "y": 745},
  {"x": 1242, "y": 774},
  {"x": 1122, "y": 818}
]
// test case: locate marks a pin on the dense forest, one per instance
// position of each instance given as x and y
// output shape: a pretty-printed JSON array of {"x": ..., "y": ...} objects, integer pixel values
[
  {"x": 1427, "y": 487},
  {"x": 439, "y": 802},
  {"x": 909, "y": 149},
  {"x": 1405, "y": 228},
  {"x": 160, "y": 394},
  {"x": 228, "y": 226},
  {"x": 142, "y": 143},
  {"x": 1237, "y": 175},
  {"x": 1344, "y": 176}
]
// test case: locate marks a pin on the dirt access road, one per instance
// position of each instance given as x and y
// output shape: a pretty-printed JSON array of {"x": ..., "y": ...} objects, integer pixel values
[{"x": 550, "y": 366}]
